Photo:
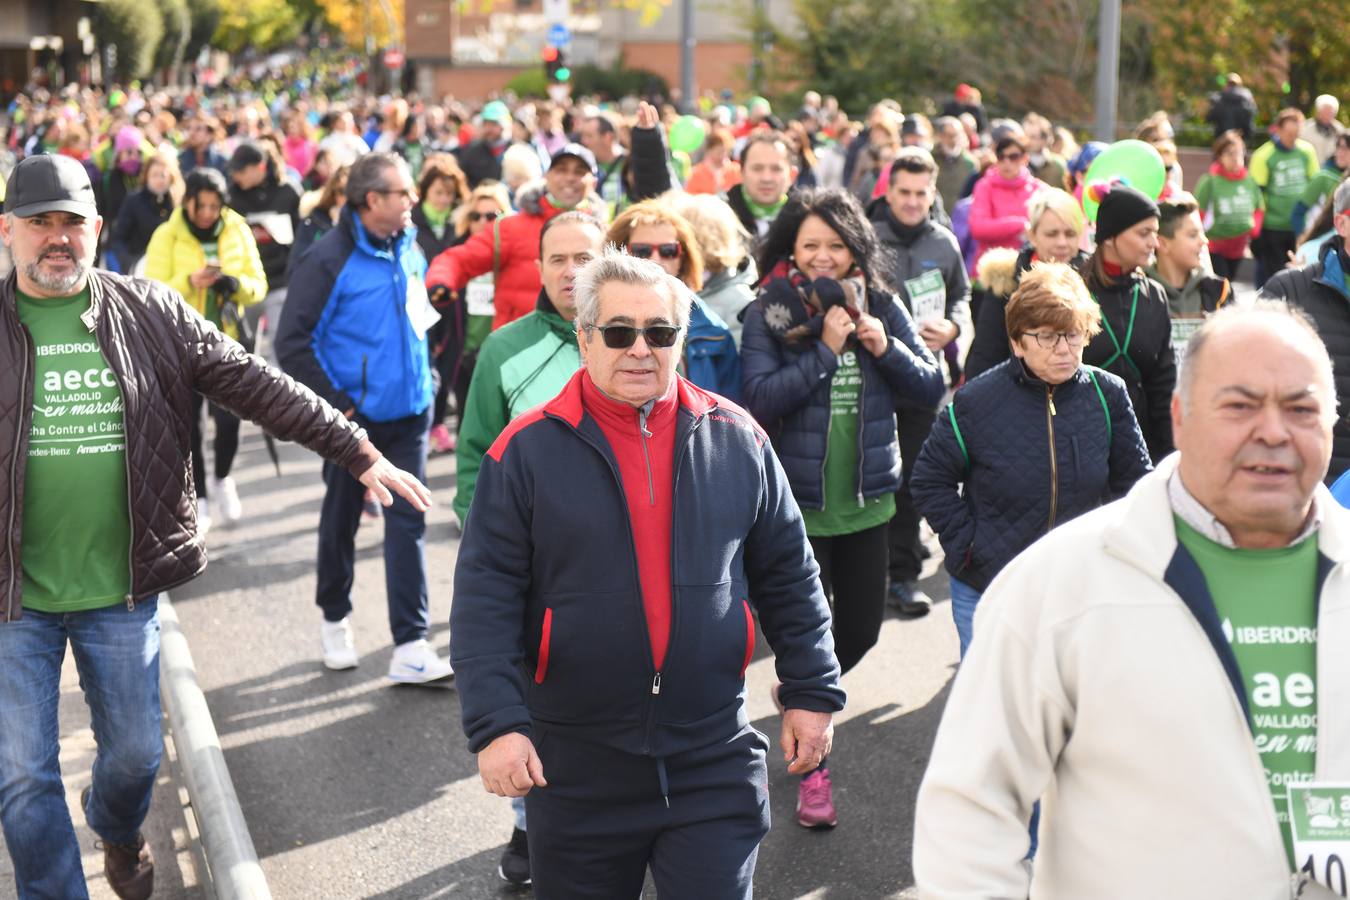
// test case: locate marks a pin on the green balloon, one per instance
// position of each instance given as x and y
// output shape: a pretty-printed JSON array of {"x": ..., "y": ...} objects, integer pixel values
[
  {"x": 686, "y": 134},
  {"x": 1134, "y": 162}
]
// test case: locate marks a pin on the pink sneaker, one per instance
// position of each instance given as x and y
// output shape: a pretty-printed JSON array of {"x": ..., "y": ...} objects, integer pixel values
[
  {"x": 815, "y": 801},
  {"x": 442, "y": 441}
]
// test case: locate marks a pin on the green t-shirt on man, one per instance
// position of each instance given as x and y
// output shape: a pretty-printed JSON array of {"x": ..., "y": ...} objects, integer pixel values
[
  {"x": 1267, "y": 604},
  {"x": 76, "y": 515},
  {"x": 846, "y": 511}
]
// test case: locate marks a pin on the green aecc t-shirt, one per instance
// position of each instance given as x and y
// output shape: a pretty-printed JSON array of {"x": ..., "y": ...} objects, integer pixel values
[
  {"x": 846, "y": 511},
  {"x": 76, "y": 517},
  {"x": 1267, "y": 604}
]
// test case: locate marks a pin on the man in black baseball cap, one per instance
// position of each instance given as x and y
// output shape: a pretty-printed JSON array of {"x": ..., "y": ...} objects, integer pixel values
[
  {"x": 50, "y": 183},
  {"x": 51, "y": 190},
  {"x": 574, "y": 151},
  {"x": 94, "y": 413}
]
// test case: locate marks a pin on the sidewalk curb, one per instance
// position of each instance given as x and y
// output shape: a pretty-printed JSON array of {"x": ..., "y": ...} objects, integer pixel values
[{"x": 232, "y": 868}]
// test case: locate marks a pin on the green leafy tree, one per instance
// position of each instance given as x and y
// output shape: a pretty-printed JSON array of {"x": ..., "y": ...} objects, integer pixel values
[
  {"x": 857, "y": 50},
  {"x": 177, "y": 32},
  {"x": 204, "y": 16},
  {"x": 134, "y": 28},
  {"x": 257, "y": 24},
  {"x": 1286, "y": 53}
]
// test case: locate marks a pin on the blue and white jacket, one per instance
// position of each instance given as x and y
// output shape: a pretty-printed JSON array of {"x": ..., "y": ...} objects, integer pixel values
[{"x": 345, "y": 330}]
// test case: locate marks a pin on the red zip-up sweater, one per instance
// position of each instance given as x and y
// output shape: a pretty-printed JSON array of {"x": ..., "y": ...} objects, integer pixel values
[{"x": 644, "y": 446}]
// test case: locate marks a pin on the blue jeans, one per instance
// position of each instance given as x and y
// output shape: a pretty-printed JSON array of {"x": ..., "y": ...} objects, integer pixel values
[
  {"x": 518, "y": 807},
  {"x": 117, "y": 654},
  {"x": 404, "y": 443},
  {"x": 964, "y": 600}
]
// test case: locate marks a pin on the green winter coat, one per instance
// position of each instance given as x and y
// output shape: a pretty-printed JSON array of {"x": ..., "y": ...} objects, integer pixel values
[{"x": 520, "y": 365}]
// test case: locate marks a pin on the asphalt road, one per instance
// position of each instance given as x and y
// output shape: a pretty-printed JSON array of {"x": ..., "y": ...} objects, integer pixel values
[{"x": 356, "y": 788}]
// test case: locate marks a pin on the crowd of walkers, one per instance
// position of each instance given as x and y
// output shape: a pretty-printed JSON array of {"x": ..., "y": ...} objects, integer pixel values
[{"x": 920, "y": 318}]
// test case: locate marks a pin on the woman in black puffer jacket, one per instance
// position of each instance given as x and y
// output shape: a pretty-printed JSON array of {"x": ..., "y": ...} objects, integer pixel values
[
  {"x": 145, "y": 210},
  {"x": 826, "y": 353},
  {"x": 1038, "y": 439},
  {"x": 1135, "y": 342}
]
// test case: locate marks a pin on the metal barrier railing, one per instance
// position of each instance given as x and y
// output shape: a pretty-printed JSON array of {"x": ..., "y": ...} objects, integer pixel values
[{"x": 233, "y": 869}]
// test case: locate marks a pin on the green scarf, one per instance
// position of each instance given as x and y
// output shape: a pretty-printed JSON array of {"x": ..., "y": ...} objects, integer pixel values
[
  {"x": 436, "y": 218},
  {"x": 762, "y": 212}
]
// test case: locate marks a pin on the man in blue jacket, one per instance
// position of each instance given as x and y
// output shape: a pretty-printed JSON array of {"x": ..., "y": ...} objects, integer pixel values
[
  {"x": 620, "y": 539},
  {"x": 354, "y": 330}
]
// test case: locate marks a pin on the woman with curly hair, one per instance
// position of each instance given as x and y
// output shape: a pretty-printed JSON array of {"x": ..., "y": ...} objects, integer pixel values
[
  {"x": 828, "y": 352},
  {"x": 652, "y": 229}
]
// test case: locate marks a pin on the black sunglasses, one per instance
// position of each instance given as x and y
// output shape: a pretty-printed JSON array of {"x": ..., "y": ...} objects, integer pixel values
[
  {"x": 1012, "y": 157},
  {"x": 483, "y": 216},
  {"x": 621, "y": 337},
  {"x": 644, "y": 251}
]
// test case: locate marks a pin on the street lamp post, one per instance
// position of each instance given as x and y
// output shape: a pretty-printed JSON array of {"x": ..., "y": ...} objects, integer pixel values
[
  {"x": 687, "y": 42},
  {"x": 1108, "y": 69}
]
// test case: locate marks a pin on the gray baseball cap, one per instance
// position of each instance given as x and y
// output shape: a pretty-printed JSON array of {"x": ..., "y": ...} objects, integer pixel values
[
  {"x": 50, "y": 183},
  {"x": 575, "y": 151}
]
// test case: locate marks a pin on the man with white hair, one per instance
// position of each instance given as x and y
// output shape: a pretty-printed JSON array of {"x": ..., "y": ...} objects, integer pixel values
[
  {"x": 1321, "y": 290},
  {"x": 620, "y": 540},
  {"x": 1322, "y": 129},
  {"x": 1152, "y": 670}
]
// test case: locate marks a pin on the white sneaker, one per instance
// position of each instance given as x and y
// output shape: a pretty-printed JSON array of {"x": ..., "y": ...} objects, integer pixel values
[
  {"x": 226, "y": 496},
  {"x": 416, "y": 663},
  {"x": 203, "y": 516},
  {"x": 339, "y": 648}
]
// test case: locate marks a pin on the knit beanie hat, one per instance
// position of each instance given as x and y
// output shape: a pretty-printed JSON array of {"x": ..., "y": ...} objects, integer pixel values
[
  {"x": 128, "y": 138},
  {"x": 1122, "y": 207}
]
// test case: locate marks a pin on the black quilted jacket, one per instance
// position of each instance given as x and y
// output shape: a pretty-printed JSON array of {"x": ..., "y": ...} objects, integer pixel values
[
  {"x": 1150, "y": 373},
  {"x": 1320, "y": 290},
  {"x": 160, "y": 352},
  {"x": 1038, "y": 456}
]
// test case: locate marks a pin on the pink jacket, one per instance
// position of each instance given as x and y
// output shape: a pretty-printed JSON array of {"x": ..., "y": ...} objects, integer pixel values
[{"x": 998, "y": 211}]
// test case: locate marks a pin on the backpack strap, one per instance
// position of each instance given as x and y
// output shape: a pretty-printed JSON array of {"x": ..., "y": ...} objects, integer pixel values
[
  {"x": 961, "y": 442},
  {"x": 1105, "y": 409}
]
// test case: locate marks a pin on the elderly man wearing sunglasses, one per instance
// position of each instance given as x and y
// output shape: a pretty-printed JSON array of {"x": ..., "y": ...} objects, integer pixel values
[{"x": 620, "y": 538}]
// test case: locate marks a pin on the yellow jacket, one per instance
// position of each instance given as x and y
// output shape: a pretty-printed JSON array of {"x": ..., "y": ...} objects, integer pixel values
[{"x": 174, "y": 253}]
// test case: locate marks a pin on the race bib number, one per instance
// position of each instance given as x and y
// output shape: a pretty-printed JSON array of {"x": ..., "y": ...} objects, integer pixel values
[
  {"x": 927, "y": 296},
  {"x": 421, "y": 314},
  {"x": 1319, "y": 819},
  {"x": 1183, "y": 329},
  {"x": 478, "y": 297}
]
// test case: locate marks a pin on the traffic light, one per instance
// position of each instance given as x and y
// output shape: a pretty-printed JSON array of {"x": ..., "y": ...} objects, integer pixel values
[{"x": 555, "y": 64}]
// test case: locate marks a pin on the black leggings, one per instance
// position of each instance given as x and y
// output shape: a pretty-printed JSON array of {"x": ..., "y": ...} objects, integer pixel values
[
  {"x": 1272, "y": 249},
  {"x": 1224, "y": 267},
  {"x": 225, "y": 446},
  {"x": 853, "y": 573}
]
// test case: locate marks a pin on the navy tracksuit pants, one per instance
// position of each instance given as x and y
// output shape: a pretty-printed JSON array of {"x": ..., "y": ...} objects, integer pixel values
[
  {"x": 603, "y": 820},
  {"x": 404, "y": 443}
]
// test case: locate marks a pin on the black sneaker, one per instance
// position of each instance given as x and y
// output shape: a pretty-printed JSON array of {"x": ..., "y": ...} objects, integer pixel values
[
  {"x": 515, "y": 864},
  {"x": 906, "y": 597}
]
